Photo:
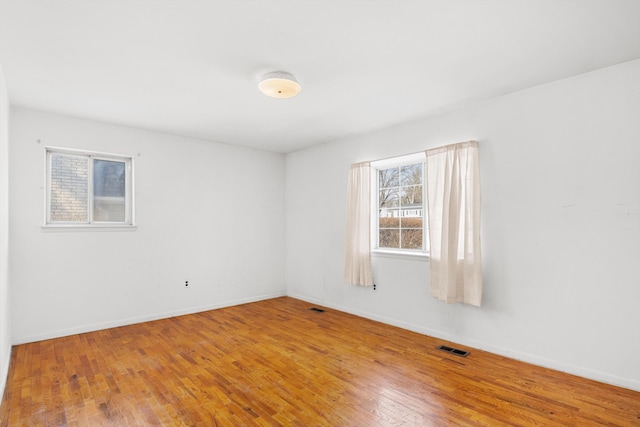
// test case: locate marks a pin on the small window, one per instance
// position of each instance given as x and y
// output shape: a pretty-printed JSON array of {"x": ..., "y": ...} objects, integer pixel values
[
  {"x": 400, "y": 212},
  {"x": 88, "y": 188}
]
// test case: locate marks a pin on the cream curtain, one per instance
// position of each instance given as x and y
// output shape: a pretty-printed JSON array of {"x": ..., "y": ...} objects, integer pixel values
[
  {"x": 357, "y": 253},
  {"x": 453, "y": 197}
]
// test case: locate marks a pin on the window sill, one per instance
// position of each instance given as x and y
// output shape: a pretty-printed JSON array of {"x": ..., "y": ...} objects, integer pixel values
[
  {"x": 88, "y": 227},
  {"x": 418, "y": 256}
]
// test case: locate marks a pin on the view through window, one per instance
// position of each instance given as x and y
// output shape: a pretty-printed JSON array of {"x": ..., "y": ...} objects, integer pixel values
[{"x": 400, "y": 213}]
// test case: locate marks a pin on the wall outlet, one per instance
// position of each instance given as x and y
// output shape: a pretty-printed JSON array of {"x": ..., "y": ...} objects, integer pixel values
[{"x": 186, "y": 283}]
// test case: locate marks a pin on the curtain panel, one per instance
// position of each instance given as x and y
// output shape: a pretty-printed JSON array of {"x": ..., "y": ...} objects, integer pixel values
[
  {"x": 357, "y": 254},
  {"x": 453, "y": 197}
]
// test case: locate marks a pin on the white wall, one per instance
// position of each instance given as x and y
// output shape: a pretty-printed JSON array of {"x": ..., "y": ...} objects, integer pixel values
[
  {"x": 560, "y": 168},
  {"x": 5, "y": 306},
  {"x": 208, "y": 213}
]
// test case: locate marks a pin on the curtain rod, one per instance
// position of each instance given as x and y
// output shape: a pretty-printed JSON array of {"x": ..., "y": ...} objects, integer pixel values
[
  {"x": 422, "y": 151},
  {"x": 395, "y": 157}
]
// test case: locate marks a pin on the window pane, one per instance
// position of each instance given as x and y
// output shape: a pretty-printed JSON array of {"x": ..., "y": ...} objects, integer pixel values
[
  {"x": 411, "y": 174},
  {"x": 389, "y": 198},
  {"x": 389, "y": 178},
  {"x": 409, "y": 222},
  {"x": 69, "y": 186},
  {"x": 109, "y": 191},
  {"x": 389, "y": 238},
  {"x": 392, "y": 220},
  {"x": 412, "y": 196},
  {"x": 412, "y": 238}
]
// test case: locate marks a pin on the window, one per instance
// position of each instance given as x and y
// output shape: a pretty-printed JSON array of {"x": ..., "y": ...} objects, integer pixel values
[
  {"x": 400, "y": 211},
  {"x": 88, "y": 188}
]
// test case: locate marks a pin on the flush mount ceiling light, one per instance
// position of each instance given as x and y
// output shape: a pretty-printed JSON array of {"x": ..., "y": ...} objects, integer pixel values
[{"x": 279, "y": 84}]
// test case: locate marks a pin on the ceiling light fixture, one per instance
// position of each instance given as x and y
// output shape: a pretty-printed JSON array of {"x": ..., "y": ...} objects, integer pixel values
[{"x": 279, "y": 84}]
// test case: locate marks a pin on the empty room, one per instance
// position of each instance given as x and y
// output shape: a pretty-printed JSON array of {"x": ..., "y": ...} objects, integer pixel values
[{"x": 319, "y": 213}]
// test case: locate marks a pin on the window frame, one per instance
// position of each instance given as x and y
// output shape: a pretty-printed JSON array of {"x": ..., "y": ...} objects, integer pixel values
[
  {"x": 394, "y": 162},
  {"x": 129, "y": 221}
]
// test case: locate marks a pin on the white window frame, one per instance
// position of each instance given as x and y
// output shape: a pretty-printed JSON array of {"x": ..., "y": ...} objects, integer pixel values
[
  {"x": 392, "y": 162},
  {"x": 129, "y": 221}
]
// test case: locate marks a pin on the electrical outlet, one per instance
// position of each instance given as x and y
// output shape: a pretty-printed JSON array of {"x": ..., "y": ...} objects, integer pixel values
[{"x": 186, "y": 283}]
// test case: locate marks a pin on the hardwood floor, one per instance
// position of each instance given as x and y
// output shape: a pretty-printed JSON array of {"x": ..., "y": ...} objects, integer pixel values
[{"x": 277, "y": 362}]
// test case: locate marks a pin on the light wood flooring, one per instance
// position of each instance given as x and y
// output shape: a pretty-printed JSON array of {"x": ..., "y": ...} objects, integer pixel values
[{"x": 277, "y": 362}]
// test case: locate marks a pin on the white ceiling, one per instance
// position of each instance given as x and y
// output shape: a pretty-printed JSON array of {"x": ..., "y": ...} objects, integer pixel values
[{"x": 191, "y": 67}]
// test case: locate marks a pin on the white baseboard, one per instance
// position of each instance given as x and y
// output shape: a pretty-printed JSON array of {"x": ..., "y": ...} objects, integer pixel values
[
  {"x": 4, "y": 374},
  {"x": 139, "y": 319},
  {"x": 513, "y": 354}
]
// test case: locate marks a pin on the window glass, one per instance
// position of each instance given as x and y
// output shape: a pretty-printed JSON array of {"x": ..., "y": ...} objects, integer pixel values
[
  {"x": 69, "y": 188},
  {"x": 109, "y": 191},
  {"x": 86, "y": 188},
  {"x": 400, "y": 216}
]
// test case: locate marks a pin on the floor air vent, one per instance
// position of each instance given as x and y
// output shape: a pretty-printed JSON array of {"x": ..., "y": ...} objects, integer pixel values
[
  {"x": 319, "y": 310},
  {"x": 455, "y": 351}
]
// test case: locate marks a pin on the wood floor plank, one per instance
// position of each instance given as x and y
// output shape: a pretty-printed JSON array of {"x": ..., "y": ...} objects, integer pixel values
[{"x": 277, "y": 362}]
